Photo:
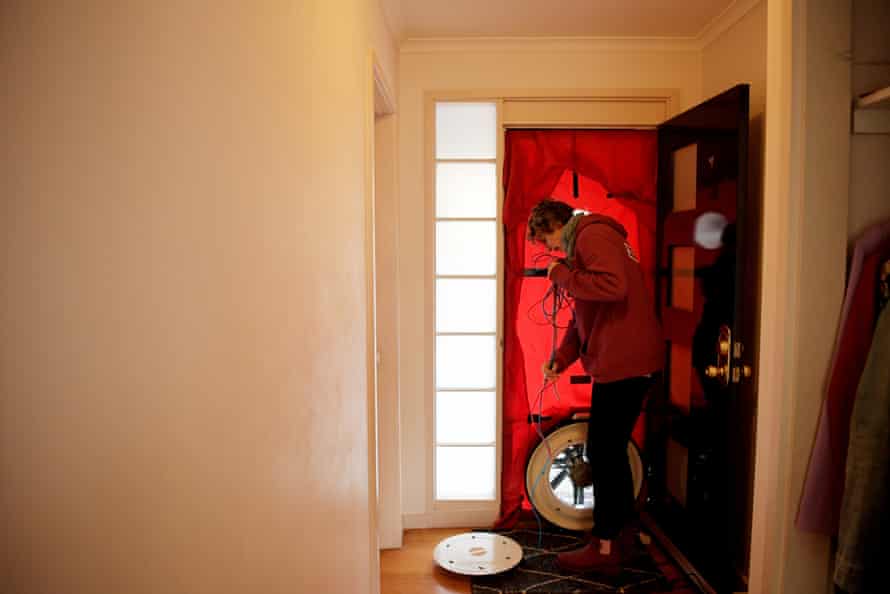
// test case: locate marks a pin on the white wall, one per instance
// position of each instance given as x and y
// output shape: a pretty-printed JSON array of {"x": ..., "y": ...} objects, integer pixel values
[
  {"x": 524, "y": 68},
  {"x": 183, "y": 304},
  {"x": 738, "y": 56},
  {"x": 807, "y": 186},
  {"x": 387, "y": 256},
  {"x": 870, "y": 175},
  {"x": 825, "y": 177}
]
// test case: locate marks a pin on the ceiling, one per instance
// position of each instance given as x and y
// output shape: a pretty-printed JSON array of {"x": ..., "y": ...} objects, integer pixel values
[{"x": 551, "y": 18}]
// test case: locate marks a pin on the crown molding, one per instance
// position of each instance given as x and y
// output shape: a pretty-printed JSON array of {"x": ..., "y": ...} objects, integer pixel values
[
  {"x": 434, "y": 45},
  {"x": 726, "y": 19},
  {"x": 392, "y": 18},
  {"x": 384, "y": 97},
  {"x": 714, "y": 29}
]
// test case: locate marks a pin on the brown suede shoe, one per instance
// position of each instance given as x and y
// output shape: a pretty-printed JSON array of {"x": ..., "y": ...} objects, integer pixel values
[
  {"x": 628, "y": 543},
  {"x": 589, "y": 558}
]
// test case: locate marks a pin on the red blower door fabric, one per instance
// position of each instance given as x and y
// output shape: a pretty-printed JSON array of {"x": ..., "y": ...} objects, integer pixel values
[{"x": 613, "y": 173}]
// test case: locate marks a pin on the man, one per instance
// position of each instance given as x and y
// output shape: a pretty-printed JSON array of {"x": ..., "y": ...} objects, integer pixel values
[{"x": 617, "y": 337}]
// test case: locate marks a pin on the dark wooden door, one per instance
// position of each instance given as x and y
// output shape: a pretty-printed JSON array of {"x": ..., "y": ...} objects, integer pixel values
[{"x": 701, "y": 424}]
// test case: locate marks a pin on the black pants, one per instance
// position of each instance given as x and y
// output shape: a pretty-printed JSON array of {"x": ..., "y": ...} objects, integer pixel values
[{"x": 614, "y": 408}]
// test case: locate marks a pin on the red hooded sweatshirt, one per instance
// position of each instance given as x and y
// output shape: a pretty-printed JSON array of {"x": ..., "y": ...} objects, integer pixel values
[{"x": 614, "y": 331}]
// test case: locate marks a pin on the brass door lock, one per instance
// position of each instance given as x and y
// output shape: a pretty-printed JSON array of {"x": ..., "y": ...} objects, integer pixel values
[
  {"x": 713, "y": 371},
  {"x": 721, "y": 371},
  {"x": 729, "y": 367}
]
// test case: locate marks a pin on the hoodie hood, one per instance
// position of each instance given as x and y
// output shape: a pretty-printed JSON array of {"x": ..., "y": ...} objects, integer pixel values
[
  {"x": 597, "y": 219},
  {"x": 617, "y": 335},
  {"x": 580, "y": 222}
]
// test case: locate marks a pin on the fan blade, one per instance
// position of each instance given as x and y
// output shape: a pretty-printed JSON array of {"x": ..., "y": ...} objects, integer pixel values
[{"x": 559, "y": 479}]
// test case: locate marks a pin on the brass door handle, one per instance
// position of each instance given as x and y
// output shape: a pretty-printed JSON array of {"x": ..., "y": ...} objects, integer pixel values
[
  {"x": 721, "y": 371},
  {"x": 729, "y": 367}
]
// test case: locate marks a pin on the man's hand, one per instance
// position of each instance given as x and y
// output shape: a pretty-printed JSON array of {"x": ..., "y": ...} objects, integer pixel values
[
  {"x": 551, "y": 266},
  {"x": 550, "y": 372}
]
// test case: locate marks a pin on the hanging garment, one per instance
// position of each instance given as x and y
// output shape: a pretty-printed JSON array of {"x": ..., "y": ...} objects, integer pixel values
[
  {"x": 823, "y": 489},
  {"x": 863, "y": 539}
]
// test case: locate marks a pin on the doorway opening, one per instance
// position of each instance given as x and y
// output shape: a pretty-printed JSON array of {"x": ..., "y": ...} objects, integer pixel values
[{"x": 698, "y": 427}]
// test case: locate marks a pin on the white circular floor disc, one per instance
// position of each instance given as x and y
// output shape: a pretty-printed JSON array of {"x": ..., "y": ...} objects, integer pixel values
[{"x": 478, "y": 553}]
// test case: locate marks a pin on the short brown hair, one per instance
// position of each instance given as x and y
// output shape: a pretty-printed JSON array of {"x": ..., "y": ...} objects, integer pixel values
[{"x": 545, "y": 215}]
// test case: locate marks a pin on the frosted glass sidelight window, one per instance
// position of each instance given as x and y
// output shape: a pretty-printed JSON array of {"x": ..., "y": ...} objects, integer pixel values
[
  {"x": 466, "y": 130},
  {"x": 466, "y": 248},
  {"x": 465, "y": 210},
  {"x": 465, "y": 472},
  {"x": 465, "y": 362},
  {"x": 465, "y": 417},
  {"x": 466, "y": 305},
  {"x": 466, "y": 190}
]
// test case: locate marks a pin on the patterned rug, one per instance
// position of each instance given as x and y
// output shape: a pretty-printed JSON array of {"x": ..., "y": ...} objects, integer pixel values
[{"x": 538, "y": 572}]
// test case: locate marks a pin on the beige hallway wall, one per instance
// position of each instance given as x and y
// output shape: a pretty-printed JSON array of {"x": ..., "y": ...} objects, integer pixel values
[
  {"x": 738, "y": 56},
  {"x": 182, "y": 362},
  {"x": 805, "y": 205},
  {"x": 824, "y": 103}
]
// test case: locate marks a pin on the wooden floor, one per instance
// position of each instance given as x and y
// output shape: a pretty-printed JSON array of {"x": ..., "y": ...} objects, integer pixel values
[{"x": 411, "y": 569}]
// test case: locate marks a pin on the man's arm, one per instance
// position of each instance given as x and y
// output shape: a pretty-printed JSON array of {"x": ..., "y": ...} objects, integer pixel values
[
  {"x": 603, "y": 276},
  {"x": 569, "y": 349}
]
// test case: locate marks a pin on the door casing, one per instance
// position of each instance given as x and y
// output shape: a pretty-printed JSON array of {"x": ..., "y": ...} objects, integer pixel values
[{"x": 593, "y": 108}]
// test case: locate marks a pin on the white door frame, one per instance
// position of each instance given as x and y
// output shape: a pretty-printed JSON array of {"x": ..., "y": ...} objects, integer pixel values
[
  {"x": 804, "y": 229},
  {"x": 371, "y": 328},
  {"x": 779, "y": 274},
  {"x": 379, "y": 98},
  {"x": 389, "y": 505},
  {"x": 517, "y": 108},
  {"x": 774, "y": 504}
]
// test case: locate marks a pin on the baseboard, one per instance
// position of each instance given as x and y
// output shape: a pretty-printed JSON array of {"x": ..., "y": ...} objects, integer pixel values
[
  {"x": 483, "y": 518},
  {"x": 415, "y": 521},
  {"x": 391, "y": 541}
]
